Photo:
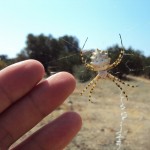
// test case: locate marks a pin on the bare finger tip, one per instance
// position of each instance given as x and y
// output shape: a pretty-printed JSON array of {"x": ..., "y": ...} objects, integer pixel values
[
  {"x": 36, "y": 65},
  {"x": 70, "y": 78},
  {"x": 74, "y": 118},
  {"x": 64, "y": 79}
]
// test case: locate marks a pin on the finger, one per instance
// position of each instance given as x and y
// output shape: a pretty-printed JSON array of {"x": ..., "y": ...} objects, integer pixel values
[
  {"x": 28, "y": 111},
  {"x": 54, "y": 136},
  {"x": 17, "y": 80}
]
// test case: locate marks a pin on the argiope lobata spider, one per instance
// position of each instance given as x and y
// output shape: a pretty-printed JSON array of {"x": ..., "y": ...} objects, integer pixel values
[{"x": 100, "y": 62}]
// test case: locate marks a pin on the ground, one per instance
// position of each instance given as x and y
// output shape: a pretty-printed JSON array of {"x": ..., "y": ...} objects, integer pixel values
[{"x": 101, "y": 119}]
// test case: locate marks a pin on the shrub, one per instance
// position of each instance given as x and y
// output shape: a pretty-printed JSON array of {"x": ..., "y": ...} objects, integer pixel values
[{"x": 82, "y": 73}]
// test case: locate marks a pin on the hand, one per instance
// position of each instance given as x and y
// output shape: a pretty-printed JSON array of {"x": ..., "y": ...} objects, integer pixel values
[{"x": 25, "y": 100}]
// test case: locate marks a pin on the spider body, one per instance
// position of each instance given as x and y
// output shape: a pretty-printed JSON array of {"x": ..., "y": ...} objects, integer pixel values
[
  {"x": 100, "y": 63},
  {"x": 100, "y": 60}
]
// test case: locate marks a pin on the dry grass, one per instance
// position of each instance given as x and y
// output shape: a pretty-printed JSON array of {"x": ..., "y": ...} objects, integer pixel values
[{"x": 101, "y": 120}]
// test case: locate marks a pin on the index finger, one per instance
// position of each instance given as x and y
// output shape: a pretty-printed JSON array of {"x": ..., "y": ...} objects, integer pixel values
[{"x": 17, "y": 80}]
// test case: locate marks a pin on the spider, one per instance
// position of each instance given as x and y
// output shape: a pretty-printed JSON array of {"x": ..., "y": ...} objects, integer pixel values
[{"x": 100, "y": 63}]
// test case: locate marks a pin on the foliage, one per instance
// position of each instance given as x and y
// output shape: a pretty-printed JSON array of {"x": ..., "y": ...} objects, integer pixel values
[
  {"x": 68, "y": 54},
  {"x": 146, "y": 68},
  {"x": 40, "y": 48},
  {"x": 132, "y": 62},
  {"x": 2, "y": 64},
  {"x": 50, "y": 51},
  {"x": 4, "y": 61},
  {"x": 82, "y": 73},
  {"x": 22, "y": 56}
]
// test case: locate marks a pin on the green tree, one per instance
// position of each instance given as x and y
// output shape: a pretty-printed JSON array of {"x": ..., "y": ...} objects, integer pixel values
[
  {"x": 22, "y": 56},
  {"x": 3, "y": 61},
  {"x": 43, "y": 49},
  {"x": 132, "y": 62},
  {"x": 54, "y": 54},
  {"x": 146, "y": 68},
  {"x": 69, "y": 53},
  {"x": 2, "y": 64}
]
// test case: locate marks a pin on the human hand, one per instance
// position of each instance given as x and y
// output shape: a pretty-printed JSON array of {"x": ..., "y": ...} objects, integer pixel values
[{"x": 25, "y": 100}]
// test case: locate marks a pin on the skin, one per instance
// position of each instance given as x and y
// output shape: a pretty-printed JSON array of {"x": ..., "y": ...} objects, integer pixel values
[{"x": 25, "y": 100}]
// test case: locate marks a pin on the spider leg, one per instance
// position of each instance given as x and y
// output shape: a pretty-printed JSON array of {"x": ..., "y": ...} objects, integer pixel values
[
  {"x": 82, "y": 57},
  {"x": 91, "y": 83},
  {"x": 118, "y": 85},
  {"x": 87, "y": 65},
  {"x": 95, "y": 81},
  {"x": 117, "y": 79},
  {"x": 114, "y": 64}
]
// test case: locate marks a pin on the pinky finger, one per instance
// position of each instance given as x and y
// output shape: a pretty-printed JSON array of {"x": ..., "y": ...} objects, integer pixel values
[{"x": 55, "y": 136}]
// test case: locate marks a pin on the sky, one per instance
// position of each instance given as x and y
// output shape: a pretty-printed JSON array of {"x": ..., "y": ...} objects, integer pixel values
[{"x": 99, "y": 20}]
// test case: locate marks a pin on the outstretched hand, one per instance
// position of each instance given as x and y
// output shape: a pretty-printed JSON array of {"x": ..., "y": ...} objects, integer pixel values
[{"x": 25, "y": 100}]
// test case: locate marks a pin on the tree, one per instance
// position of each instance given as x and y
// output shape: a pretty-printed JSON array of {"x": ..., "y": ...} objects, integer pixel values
[
  {"x": 22, "y": 56},
  {"x": 4, "y": 57},
  {"x": 42, "y": 48},
  {"x": 132, "y": 62},
  {"x": 69, "y": 53},
  {"x": 53, "y": 53},
  {"x": 146, "y": 69},
  {"x": 5, "y": 61},
  {"x": 2, "y": 64}
]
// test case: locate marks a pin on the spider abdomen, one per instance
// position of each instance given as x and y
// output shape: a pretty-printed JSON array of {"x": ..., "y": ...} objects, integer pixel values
[{"x": 100, "y": 60}]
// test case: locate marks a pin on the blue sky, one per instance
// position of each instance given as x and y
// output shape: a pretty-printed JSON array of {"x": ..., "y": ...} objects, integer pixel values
[{"x": 99, "y": 20}]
